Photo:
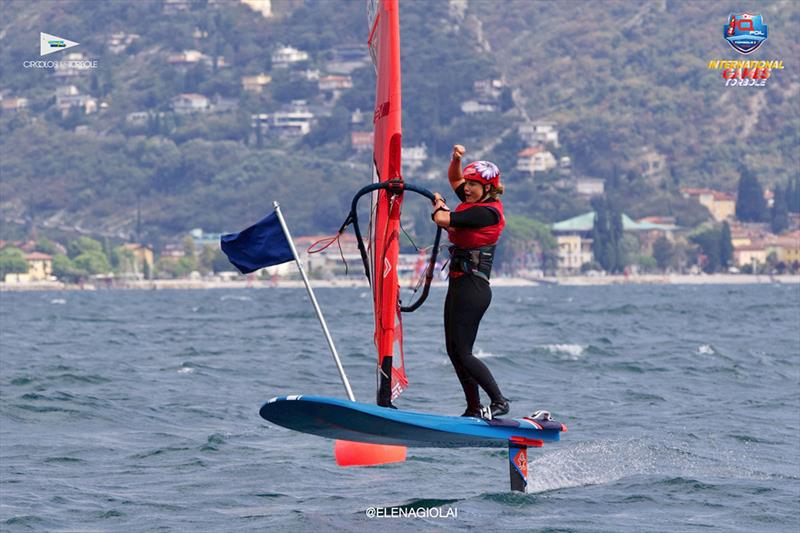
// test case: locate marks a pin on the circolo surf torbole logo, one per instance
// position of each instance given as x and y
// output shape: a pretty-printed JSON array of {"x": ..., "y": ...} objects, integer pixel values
[
  {"x": 745, "y": 32},
  {"x": 50, "y": 44},
  {"x": 53, "y": 43}
]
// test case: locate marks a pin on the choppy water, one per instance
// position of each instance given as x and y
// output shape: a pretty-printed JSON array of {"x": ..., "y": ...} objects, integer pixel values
[{"x": 134, "y": 411}]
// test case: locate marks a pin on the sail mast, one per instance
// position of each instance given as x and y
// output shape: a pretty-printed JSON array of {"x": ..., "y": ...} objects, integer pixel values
[{"x": 384, "y": 45}]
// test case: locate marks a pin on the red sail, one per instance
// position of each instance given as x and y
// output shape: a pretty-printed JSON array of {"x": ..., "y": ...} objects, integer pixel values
[{"x": 384, "y": 46}]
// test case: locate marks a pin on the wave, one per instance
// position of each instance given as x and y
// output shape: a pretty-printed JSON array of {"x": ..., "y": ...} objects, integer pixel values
[
  {"x": 705, "y": 349},
  {"x": 228, "y": 297},
  {"x": 607, "y": 461},
  {"x": 481, "y": 354},
  {"x": 571, "y": 352}
]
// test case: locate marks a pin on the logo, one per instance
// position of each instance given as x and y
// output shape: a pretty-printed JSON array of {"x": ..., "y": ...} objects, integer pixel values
[
  {"x": 76, "y": 63},
  {"x": 49, "y": 44},
  {"x": 745, "y": 32},
  {"x": 521, "y": 463}
]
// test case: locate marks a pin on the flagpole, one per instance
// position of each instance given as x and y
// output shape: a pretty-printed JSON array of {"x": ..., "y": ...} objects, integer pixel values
[{"x": 321, "y": 318}]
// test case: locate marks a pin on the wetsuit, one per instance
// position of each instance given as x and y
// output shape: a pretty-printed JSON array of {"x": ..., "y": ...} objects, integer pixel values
[{"x": 468, "y": 297}]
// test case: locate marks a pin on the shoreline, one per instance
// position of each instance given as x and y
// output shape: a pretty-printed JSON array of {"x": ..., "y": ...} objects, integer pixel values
[{"x": 572, "y": 281}]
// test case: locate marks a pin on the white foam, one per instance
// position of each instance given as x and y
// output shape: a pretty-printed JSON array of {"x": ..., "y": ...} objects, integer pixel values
[
  {"x": 572, "y": 352},
  {"x": 237, "y": 298},
  {"x": 185, "y": 370},
  {"x": 606, "y": 461},
  {"x": 589, "y": 463},
  {"x": 705, "y": 349},
  {"x": 480, "y": 354},
  {"x": 58, "y": 301}
]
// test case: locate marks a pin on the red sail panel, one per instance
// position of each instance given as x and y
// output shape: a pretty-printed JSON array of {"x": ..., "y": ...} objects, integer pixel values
[{"x": 384, "y": 45}]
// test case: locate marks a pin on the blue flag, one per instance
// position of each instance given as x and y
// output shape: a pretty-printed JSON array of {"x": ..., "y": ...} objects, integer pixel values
[{"x": 261, "y": 245}]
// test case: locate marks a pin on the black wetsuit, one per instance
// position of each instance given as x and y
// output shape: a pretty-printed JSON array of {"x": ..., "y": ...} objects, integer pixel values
[{"x": 468, "y": 297}]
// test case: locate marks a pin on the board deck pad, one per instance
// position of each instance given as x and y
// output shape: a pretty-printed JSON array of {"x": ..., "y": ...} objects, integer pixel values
[{"x": 336, "y": 418}]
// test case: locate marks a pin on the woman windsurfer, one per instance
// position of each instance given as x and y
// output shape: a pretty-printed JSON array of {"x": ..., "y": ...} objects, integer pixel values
[{"x": 474, "y": 228}]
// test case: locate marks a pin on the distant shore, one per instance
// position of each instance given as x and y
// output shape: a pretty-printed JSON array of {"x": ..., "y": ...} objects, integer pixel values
[{"x": 645, "y": 279}]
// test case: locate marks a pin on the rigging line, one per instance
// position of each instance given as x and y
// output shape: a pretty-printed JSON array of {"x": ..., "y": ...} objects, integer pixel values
[
  {"x": 409, "y": 237},
  {"x": 317, "y": 247}
]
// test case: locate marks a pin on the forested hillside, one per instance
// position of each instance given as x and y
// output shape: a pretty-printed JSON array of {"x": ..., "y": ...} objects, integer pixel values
[{"x": 616, "y": 77}]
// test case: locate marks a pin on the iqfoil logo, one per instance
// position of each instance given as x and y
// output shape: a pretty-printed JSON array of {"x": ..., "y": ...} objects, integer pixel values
[{"x": 49, "y": 44}]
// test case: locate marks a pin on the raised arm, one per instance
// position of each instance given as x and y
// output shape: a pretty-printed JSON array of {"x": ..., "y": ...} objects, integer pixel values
[{"x": 454, "y": 172}]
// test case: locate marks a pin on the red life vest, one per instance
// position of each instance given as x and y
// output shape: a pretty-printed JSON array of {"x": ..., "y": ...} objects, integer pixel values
[{"x": 469, "y": 238}]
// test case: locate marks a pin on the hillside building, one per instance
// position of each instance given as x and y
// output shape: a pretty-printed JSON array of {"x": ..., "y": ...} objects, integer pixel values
[
  {"x": 539, "y": 132},
  {"x": 535, "y": 159},
  {"x": 285, "y": 56},
  {"x": 721, "y": 205},
  {"x": 255, "y": 84}
]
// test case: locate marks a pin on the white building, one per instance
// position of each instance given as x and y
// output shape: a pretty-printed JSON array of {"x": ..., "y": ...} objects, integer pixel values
[
  {"x": 539, "y": 132},
  {"x": 490, "y": 89},
  {"x": 118, "y": 42},
  {"x": 471, "y": 107},
  {"x": 188, "y": 57},
  {"x": 68, "y": 97},
  {"x": 335, "y": 83},
  {"x": 13, "y": 105},
  {"x": 137, "y": 118},
  {"x": 309, "y": 74},
  {"x": 256, "y": 84},
  {"x": 357, "y": 117},
  {"x": 535, "y": 159},
  {"x": 295, "y": 121},
  {"x": 589, "y": 186},
  {"x": 190, "y": 103},
  {"x": 361, "y": 140},
  {"x": 573, "y": 252},
  {"x": 413, "y": 157},
  {"x": 264, "y": 7},
  {"x": 286, "y": 55},
  {"x": 73, "y": 64}
]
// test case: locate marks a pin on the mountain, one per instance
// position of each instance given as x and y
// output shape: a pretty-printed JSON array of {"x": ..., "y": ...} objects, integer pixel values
[{"x": 618, "y": 78}]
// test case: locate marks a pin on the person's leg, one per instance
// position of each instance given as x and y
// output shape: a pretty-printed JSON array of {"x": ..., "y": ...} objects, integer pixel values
[
  {"x": 470, "y": 299},
  {"x": 469, "y": 385}
]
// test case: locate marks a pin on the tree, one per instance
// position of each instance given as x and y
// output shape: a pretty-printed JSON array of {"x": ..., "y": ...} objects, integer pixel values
[
  {"x": 750, "y": 203},
  {"x": 82, "y": 245},
  {"x": 793, "y": 195},
  {"x": 607, "y": 234},
  {"x": 663, "y": 252},
  {"x": 780, "y": 211},
  {"x": 220, "y": 262},
  {"x": 93, "y": 262},
  {"x": 725, "y": 246},
  {"x": 65, "y": 270},
  {"x": 646, "y": 263},
  {"x": 12, "y": 261},
  {"x": 709, "y": 242},
  {"x": 523, "y": 237},
  {"x": 46, "y": 246}
]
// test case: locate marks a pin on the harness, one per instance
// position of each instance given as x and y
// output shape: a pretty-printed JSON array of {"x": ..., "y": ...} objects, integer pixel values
[{"x": 475, "y": 261}]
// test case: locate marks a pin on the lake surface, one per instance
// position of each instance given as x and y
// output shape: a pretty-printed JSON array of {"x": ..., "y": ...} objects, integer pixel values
[{"x": 137, "y": 411}]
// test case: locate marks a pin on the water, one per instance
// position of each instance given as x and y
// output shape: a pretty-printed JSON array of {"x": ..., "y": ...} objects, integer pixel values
[{"x": 123, "y": 411}]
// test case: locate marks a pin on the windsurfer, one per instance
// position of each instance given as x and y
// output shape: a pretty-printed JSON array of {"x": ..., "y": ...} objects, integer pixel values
[{"x": 474, "y": 229}]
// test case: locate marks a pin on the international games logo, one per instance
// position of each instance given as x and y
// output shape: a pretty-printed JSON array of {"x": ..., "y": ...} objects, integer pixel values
[{"x": 745, "y": 32}]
